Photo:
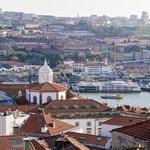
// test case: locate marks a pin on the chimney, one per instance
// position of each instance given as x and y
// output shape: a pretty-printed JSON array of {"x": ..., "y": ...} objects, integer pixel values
[
  {"x": 26, "y": 143},
  {"x": 16, "y": 129},
  {"x": 44, "y": 129}
]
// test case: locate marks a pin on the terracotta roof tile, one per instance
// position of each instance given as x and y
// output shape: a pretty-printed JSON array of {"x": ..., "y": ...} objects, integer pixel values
[
  {"x": 77, "y": 144},
  {"x": 23, "y": 108},
  {"x": 123, "y": 120},
  {"x": 46, "y": 87},
  {"x": 10, "y": 143},
  {"x": 37, "y": 146},
  {"x": 139, "y": 130},
  {"x": 13, "y": 88},
  {"x": 37, "y": 121},
  {"x": 75, "y": 105},
  {"x": 89, "y": 139},
  {"x": 16, "y": 63}
]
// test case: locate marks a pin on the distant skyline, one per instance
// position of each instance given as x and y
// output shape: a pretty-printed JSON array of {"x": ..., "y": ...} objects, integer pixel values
[{"x": 70, "y": 8}]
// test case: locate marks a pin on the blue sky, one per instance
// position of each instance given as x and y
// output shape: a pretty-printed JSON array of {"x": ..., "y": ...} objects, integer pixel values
[{"x": 73, "y": 7}]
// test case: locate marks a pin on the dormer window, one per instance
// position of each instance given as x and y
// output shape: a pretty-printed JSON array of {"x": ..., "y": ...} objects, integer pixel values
[
  {"x": 85, "y": 106},
  {"x": 64, "y": 107},
  {"x": 75, "y": 106}
]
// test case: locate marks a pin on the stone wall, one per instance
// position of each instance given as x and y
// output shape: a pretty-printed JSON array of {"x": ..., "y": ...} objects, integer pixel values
[{"x": 122, "y": 141}]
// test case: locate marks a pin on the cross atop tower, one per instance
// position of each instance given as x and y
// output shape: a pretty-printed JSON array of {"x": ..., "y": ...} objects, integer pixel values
[{"x": 45, "y": 62}]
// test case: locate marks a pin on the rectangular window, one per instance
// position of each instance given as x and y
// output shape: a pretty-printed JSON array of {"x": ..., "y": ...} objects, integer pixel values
[
  {"x": 88, "y": 130},
  {"x": 88, "y": 123},
  {"x": 16, "y": 143},
  {"x": 99, "y": 123},
  {"x": 99, "y": 131},
  {"x": 77, "y": 123}
]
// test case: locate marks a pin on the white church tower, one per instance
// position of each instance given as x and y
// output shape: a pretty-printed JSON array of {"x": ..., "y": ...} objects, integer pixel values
[{"x": 45, "y": 74}]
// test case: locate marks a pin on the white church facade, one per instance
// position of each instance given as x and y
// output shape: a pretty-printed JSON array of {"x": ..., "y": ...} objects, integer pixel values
[{"x": 45, "y": 90}]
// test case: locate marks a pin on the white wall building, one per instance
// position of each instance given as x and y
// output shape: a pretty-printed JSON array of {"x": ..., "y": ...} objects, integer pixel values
[
  {"x": 7, "y": 121},
  {"x": 87, "y": 125},
  {"x": 97, "y": 69},
  {"x": 106, "y": 129},
  {"x": 118, "y": 122}
]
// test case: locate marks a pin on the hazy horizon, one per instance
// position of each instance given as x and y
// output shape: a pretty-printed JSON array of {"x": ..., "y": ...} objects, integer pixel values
[{"x": 70, "y": 8}]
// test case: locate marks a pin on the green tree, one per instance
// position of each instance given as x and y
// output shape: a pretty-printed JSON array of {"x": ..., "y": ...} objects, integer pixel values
[{"x": 54, "y": 60}]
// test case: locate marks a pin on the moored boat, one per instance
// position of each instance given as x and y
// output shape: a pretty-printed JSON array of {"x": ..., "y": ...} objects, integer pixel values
[{"x": 118, "y": 96}]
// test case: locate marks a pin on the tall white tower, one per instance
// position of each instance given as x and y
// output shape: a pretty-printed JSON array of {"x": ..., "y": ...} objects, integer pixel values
[{"x": 45, "y": 74}]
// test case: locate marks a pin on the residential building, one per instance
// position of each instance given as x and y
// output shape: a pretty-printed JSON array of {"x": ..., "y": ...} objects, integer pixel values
[
  {"x": 91, "y": 126},
  {"x": 74, "y": 108},
  {"x": 117, "y": 122},
  {"x": 42, "y": 125},
  {"x": 19, "y": 142},
  {"x": 97, "y": 69},
  {"x": 136, "y": 135},
  {"x": 91, "y": 141},
  {"x": 10, "y": 120}
]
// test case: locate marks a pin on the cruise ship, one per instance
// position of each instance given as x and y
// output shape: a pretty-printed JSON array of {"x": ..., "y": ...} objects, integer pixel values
[
  {"x": 107, "y": 87},
  {"x": 120, "y": 86}
]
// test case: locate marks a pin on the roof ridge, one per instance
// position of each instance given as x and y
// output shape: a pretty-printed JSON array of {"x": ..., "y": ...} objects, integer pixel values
[
  {"x": 52, "y": 84},
  {"x": 34, "y": 86},
  {"x": 132, "y": 125},
  {"x": 44, "y": 84}
]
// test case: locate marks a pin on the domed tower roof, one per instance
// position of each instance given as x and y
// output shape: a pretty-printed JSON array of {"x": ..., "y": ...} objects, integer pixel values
[
  {"x": 45, "y": 74},
  {"x": 45, "y": 68}
]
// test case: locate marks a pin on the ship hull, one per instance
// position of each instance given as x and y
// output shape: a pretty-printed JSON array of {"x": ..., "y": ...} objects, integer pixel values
[
  {"x": 111, "y": 97},
  {"x": 145, "y": 89}
]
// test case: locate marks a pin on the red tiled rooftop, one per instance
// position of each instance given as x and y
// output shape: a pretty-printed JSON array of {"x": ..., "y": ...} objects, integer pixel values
[
  {"x": 46, "y": 87},
  {"x": 123, "y": 120},
  {"x": 12, "y": 88},
  {"x": 23, "y": 108},
  {"x": 37, "y": 121},
  {"x": 77, "y": 144},
  {"x": 6, "y": 143},
  {"x": 37, "y": 145},
  {"x": 89, "y": 139},
  {"x": 75, "y": 105},
  {"x": 139, "y": 130},
  {"x": 16, "y": 63}
]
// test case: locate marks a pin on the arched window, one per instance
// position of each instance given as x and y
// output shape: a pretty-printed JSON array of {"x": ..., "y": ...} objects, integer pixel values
[
  {"x": 49, "y": 98},
  {"x": 40, "y": 98},
  {"x": 34, "y": 99}
]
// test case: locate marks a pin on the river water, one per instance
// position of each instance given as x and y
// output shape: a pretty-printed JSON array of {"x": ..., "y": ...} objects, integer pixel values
[{"x": 133, "y": 99}]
